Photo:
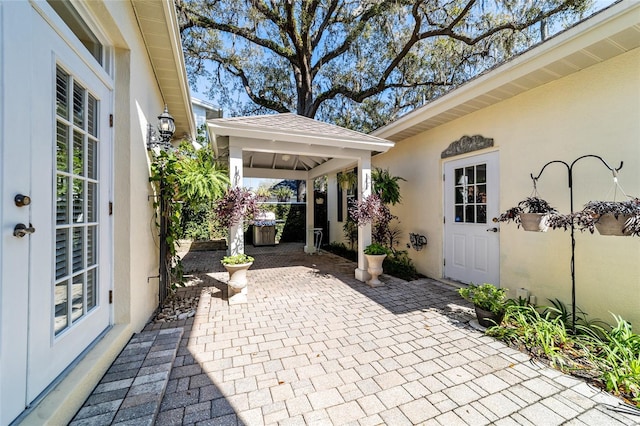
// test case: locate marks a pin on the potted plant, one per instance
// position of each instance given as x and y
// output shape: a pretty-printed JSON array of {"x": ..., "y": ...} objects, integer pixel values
[
  {"x": 533, "y": 213},
  {"x": 608, "y": 217},
  {"x": 375, "y": 254},
  {"x": 283, "y": 194},
  {"x": 347, "y": 180},
  {"x": 237, "y": 266},
  {"x": 488, "y": 301}
]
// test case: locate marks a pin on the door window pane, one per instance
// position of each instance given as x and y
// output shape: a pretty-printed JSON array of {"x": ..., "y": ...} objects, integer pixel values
[
  {"x": 77, "y": 297},
  {"x": 92, "y": 289},
  {"x": 62, "y": 147},
  {"x": 62, "y": 253},
  {"x": 60, "y": 300},
  {"x": 78, "y": 154},
  {"x": 78, "y": 105},
  {"x": 62, "y": 93},
  {"x": 62, "y": 200}
]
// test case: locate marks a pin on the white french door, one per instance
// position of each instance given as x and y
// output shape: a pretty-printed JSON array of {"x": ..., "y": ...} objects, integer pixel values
[
  {"x": 471, "y": 201},
  {"x": 69, "y": 252}
]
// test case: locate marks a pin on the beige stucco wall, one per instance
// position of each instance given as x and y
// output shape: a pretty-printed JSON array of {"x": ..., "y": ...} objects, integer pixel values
[
  {"x": 594, "y": 111},
  {"x": 138, "y": 100}
]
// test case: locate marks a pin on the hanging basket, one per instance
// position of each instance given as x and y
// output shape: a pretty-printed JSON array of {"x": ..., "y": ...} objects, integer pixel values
[
  {"x": 534, "y": 222},
  {"x": 608, "y": 224}
]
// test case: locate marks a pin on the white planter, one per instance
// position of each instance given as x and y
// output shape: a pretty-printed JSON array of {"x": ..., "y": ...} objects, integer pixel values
[
  {"x": 607, "y": 224},
  {"x": 374, "y": 268},
  {"x": 237, "y": 284},
  {"x": 536, "y": 222}
]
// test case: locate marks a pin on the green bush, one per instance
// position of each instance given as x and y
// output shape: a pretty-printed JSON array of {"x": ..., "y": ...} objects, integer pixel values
[
  {"x": 485, "y": 296},
  {"x": 376, "y": 249},
  {"x": 341, "y": 250},
  {"x": 400, "y": 265}
]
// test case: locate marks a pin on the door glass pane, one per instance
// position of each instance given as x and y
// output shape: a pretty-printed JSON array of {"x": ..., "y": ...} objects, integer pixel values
[
  {"x": 62, "y": 200},
  {"x": 481, "y": 173},
  {"x": 77, "y": 297},
  {"x": 91, "y": 201},
  {"x": 60, "y": 300},
  {"x": 469, "y": 173},
  {"x": 469, "y": 214},
  {"x": 92, "y": 163},
  {"x": 62, "y": 93},
  {"x": 78, "y": 154},
  {"x": 78, "y": 105},
  {"x": 62, "y": 253},
  {"x": 92, "y": 289},
  {"x": 459, "y": 214},
  {"x": 92, "y": 116},
  {"x": 78, "y": 249},
  {"x": 62, "y": 147},
  {"x": 91, "y": 245},
  {"x": 78, "y": 200}
]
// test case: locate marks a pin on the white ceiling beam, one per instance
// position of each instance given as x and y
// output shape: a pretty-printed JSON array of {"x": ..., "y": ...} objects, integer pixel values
[
  {"x": 275, "y": 174},
  {"x": 299, "y": 139},
  {"x": 330, "y": 166},
  {"x": 295, "y": 163},
  {"x": 273, "y": 164},
  {"x": 295, "y": 148}
]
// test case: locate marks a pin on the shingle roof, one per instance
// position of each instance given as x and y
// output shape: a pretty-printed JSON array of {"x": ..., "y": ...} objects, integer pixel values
[{"x": 296, "y": 124}]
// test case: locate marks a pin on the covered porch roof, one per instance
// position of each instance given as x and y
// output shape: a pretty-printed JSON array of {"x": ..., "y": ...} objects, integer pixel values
[{"x": 290, "y": 146}]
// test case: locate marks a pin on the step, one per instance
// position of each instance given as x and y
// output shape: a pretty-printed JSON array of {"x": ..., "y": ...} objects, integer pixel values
[{"x": 132, "y": 389}]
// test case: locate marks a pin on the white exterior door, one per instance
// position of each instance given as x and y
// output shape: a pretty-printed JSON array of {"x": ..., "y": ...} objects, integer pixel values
[
  {"x": 61, "y": 273},
  {"x": 471, "y": 201}
]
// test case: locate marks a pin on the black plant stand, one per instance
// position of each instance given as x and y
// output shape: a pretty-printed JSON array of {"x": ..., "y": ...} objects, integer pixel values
[{"x": 573, "y": 240}]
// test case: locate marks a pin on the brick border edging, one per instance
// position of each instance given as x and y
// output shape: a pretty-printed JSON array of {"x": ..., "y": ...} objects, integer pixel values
[{"x": 132, "y": 389}]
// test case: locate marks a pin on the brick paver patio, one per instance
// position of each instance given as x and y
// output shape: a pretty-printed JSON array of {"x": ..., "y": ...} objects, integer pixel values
[{"x": 315, "y": 346}]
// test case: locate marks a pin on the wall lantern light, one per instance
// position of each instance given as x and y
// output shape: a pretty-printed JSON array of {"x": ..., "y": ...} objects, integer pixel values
[{"x": 161, "y": 137}]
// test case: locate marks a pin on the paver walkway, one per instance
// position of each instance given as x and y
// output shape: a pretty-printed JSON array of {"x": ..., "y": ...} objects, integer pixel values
[{"x": 315, "y": 346}]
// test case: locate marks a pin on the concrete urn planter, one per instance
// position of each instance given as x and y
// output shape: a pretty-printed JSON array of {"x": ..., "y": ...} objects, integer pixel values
[
  {"x": 237, "y": 284},
  {"x": 375, "y": 268}
]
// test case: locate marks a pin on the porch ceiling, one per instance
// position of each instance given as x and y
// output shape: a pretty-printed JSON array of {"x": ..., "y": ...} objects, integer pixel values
[
  {"x": 291, "y": 146},
  {"x": 612, "y": 32}
]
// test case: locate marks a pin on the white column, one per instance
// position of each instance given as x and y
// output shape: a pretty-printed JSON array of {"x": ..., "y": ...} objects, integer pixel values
[
  {"x": 236, "y": 235},
  {"x": 364, "y": 232},
  {"x": 335, "y": 231},
  {"x": 309, "y": 246}
]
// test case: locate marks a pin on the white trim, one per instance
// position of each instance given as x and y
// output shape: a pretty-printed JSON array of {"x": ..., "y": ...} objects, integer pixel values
[{"x": 58, "y": 25}]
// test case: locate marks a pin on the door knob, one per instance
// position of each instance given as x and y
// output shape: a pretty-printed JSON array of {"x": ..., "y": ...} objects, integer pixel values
[
  {"x": 21, "y": 230},
  {"x": 22, "y": 200},
  {"x": 494, "y": 229}
]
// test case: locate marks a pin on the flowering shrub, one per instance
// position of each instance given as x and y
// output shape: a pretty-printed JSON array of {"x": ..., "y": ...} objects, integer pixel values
[
  {"x": 370, "y": 210},
  {"x": 236, "y": 204}
]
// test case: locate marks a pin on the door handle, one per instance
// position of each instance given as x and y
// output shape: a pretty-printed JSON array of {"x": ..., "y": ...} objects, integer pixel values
[
  {"x": 21, "y": 230},
  {"x": 494, "y": 229}
]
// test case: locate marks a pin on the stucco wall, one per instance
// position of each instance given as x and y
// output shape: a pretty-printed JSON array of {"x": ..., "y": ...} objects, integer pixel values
[
  {"x": 138, "y": 100},
  {"x": 594, "y": 111}
]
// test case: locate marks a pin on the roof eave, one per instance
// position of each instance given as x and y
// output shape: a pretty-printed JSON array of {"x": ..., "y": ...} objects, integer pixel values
[{"x": 597, "y": 28}]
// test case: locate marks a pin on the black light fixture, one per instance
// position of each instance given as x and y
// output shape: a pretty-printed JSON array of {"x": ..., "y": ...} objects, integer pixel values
[{"x": 166, "y": 127}]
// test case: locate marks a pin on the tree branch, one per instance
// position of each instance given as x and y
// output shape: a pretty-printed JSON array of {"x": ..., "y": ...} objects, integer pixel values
[{"x": 198, "y": 20}]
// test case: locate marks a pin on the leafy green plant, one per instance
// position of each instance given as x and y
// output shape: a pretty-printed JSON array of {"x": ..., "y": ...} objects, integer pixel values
[
  {"x": 376, "y": 249},
  {"x": 400, "y": 265},
  {"x": 485, "y": 296},
  {"x": 238, "y": 259},
  {"x": 283, "y": 193},
  {"x": 617, "y": 359},
  {"x": 386, "y": 186}
]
